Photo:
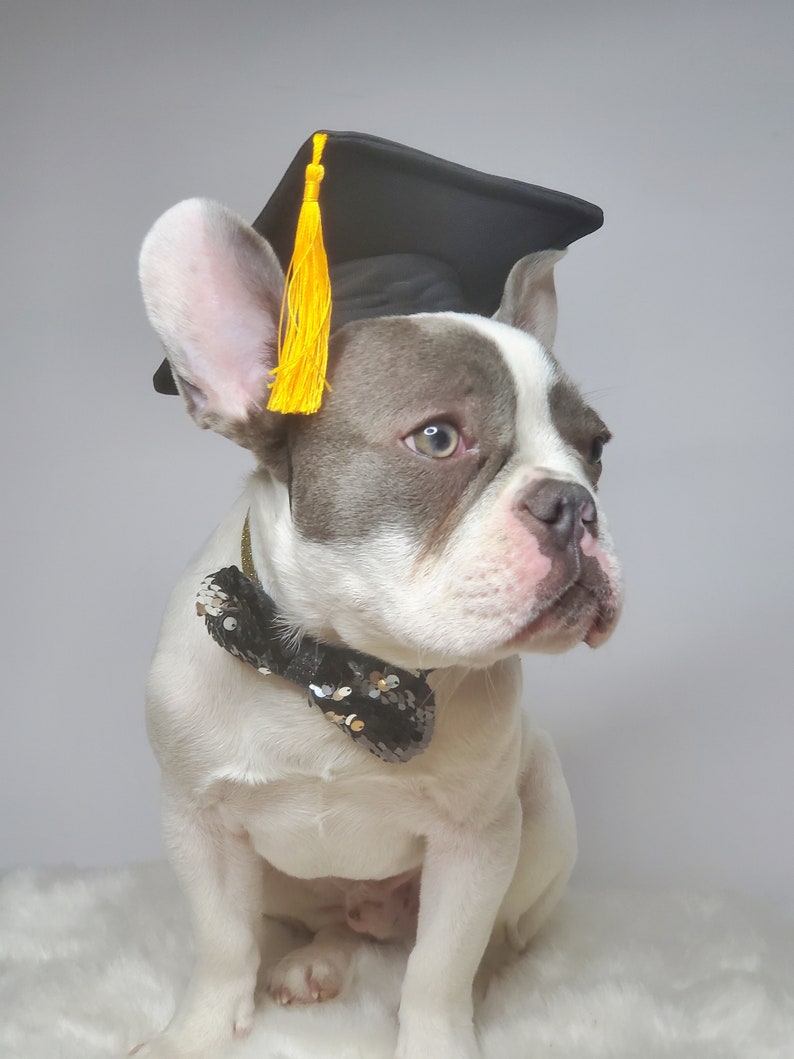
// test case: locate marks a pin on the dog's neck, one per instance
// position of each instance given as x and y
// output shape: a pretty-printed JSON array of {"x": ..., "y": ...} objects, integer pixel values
[
  {"x": 294, "y": 573},
  {"x": 249, "y": 570},
  {"x": 316, "y": 585},
  {"x": 387, "y": 710}
]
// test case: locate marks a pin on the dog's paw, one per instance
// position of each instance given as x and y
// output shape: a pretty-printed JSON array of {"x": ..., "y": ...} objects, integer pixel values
[
  {"x": 429, "y": 1034},
  {"x": 165, "y": 1047},
  {"x": 201, "y": 1038},
  {"x": 310, "y": 975}
]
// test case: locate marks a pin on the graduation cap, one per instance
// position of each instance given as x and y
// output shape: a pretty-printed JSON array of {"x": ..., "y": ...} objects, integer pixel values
[{"x": 364, "y": 227}]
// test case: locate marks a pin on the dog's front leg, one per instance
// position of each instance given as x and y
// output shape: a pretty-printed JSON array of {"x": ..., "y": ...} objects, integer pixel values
[
  {"x": 465, "y": 875},
  {"x": 222, "y": 878}
]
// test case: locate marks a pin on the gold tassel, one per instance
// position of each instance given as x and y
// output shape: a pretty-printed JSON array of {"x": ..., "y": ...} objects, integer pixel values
[{"x": 306, "y": 307}]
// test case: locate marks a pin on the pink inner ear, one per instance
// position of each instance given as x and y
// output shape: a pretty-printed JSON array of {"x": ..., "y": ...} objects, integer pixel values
[
  {"x": 230, "y": 341},
  {"x": 537, "y": 313},
  {"x": 212, "y": 287},
  {"x": 530, "y": 299}
]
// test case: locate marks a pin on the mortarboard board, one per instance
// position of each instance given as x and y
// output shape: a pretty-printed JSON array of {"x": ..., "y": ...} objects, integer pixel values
[{"x": 405, "y": 232}]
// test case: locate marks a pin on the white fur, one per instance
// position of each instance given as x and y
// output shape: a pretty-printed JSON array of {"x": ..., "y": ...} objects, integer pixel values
[
  {"x": 91, "y": 960},
  {"x": 264, "y": 802}
]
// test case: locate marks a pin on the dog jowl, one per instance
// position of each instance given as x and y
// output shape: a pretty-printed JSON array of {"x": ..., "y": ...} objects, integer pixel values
[{"x": 437, "y": 516}]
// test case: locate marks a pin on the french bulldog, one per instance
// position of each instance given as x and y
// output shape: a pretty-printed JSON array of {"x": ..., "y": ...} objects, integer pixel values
[{"x": 439, "y": 513}]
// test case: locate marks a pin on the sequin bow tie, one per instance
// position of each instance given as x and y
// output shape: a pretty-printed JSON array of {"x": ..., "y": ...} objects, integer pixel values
[{"x": 387, "y": 710}]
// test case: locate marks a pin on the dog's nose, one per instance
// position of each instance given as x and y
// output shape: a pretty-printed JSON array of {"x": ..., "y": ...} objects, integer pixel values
[{"x": 566, "y": 508}]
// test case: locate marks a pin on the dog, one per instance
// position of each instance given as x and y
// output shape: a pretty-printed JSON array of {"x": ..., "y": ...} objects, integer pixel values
[{"x": 439, "y": 513}]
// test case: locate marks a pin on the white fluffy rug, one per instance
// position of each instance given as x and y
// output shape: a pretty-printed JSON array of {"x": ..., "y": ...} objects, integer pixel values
[{"x": 91, "y": 961}]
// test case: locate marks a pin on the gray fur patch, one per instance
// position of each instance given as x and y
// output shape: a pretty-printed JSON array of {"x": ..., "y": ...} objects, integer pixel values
[
  {"x": 577, "y": 423},
  {"x": 352, "y": 473},
  {"x": 265, "y": 434}
]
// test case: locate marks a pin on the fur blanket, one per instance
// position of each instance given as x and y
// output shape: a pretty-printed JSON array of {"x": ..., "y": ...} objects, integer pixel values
[{"x": 92, "y": 961}]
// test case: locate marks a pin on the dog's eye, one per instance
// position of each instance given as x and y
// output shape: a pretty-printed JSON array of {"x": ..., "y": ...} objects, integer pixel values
[
  {"x": 437, "y": 440},
  {"x": 597, "y": 449}
]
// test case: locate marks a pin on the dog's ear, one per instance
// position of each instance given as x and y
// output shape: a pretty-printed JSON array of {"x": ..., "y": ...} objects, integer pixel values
[
  {"x": 212, "y": 288},
  {"x": 529, "y": 301}
]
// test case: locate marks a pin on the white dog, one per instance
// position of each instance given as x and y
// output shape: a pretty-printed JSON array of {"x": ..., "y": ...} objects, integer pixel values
[{"x": 438, "y": 513}]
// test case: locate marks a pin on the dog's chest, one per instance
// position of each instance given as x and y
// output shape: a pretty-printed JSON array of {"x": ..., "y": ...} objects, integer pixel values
[
  {"x": 313, "y": 802},
  {"x": 310, "y": 827},
  {"x": 344, "y": 813}
]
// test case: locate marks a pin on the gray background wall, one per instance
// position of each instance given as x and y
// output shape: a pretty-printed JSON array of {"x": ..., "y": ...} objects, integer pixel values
[{"x": 676, "y": 318}]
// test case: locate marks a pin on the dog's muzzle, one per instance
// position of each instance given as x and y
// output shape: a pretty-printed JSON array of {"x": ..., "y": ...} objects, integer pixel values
[{"x": 577, "y": 599}]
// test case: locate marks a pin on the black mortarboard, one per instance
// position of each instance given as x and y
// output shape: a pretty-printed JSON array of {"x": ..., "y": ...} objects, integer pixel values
[{"x": 406, "y": 232}]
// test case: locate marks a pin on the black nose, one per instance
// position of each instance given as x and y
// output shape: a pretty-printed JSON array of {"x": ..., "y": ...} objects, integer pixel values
[{"x": 564, "y": 507}]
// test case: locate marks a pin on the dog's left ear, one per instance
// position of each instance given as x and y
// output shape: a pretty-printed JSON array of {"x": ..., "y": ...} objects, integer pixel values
[
  {"x": 529, "y": 301},
  {"x": 212, "y": 288}
]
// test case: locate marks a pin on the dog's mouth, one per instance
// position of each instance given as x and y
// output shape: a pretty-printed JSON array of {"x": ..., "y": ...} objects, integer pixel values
[{"x": 581, "y": 612}]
